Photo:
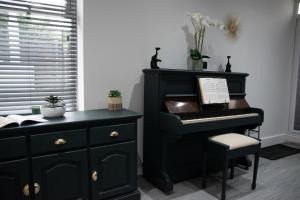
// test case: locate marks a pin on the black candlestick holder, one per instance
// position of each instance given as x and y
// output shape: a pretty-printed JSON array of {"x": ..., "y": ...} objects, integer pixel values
[{"x": 228, "y": 65}]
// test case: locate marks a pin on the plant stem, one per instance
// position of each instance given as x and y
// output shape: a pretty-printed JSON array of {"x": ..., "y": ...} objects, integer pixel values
[
  {"x": 199, "y": 39},
  {"x": 202, "y": 40},
  {"x": 196, "y": 40}
]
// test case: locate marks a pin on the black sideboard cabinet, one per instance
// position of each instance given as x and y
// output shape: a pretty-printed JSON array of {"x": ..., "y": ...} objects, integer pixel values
[{"x": 87, "y": 155}]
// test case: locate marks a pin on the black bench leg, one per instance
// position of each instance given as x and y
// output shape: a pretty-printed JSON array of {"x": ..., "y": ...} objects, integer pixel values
[
  {"x": 204, "y": 164},
  {"x": 232, "y": 168},
  {"x": 225, "y": 171},
  {"x": 256, "y": 160}
]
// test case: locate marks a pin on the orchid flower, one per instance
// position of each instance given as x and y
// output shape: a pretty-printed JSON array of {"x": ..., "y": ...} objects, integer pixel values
[
  {"x": 200, "y": 24},
  {"x": 196, "y": 21}
]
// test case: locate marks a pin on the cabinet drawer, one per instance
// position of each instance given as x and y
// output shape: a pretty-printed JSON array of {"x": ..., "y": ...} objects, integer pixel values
[
  {"x": 12, "y": 147},
  {"x": 58, "y": 141},
  {"x": 111, "y": 134}
]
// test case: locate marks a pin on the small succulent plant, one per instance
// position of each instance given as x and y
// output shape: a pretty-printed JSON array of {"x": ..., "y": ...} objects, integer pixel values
[
  {"x": 114, "y": 93},
  {"x": 53, "y": 100}
]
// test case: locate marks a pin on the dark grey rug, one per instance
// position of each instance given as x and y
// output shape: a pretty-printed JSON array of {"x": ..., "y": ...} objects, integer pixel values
[{"x": 278, "y": 151}]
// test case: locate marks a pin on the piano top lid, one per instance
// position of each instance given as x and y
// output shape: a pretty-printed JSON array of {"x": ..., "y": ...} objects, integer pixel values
[{"x": 184, "y": 71}]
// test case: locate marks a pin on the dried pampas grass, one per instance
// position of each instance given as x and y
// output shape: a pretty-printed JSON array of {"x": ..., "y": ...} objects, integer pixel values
[{"x": 232, "y": 26}]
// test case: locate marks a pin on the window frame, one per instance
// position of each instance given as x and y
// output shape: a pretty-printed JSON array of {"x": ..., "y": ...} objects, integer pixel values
[
  {"x": 294, "y": 82},
  {"x": 297, "y": 9},
  {"x": 58, "y": 65}
]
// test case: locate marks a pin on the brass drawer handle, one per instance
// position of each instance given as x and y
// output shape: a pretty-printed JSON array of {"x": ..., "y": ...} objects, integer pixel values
[
  {"x": 60, "y": 142},
  {"x": 37, "y": 188},
  {"x": 114, "y": 134},
  {"x": 95, "y": 176},
  {"x": 26, "y": 191}
]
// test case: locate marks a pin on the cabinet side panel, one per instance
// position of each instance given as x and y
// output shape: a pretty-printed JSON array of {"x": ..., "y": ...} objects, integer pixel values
[{"x": 152, "y": 138}]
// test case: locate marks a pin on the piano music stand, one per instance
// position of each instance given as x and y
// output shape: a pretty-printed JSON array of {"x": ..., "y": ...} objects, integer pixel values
[{"x": 210, "y": 106}]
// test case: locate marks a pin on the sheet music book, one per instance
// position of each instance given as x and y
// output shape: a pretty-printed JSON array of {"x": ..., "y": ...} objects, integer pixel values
[
  {"x": 18, "y": 120},
  {"x": 213, "y": 90}
]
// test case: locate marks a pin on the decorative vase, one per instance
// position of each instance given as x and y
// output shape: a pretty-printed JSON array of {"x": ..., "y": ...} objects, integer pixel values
[
  {"x": 114, "y": 103},
  {"x": 197, "y": 64},
  {"x": 35, "y": 110},
  {"x": 52, "y": 112}
]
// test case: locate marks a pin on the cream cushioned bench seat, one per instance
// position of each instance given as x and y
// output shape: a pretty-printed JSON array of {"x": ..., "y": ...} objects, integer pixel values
[
  {"x": 231, "y": 146},
  {"x": 234, "y": 140}
]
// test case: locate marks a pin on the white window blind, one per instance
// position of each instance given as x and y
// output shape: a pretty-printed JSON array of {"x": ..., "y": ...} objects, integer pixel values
[{"x": 38, "y": 53}]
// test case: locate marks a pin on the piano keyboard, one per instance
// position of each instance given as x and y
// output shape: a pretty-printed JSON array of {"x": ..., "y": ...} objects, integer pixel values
[{"x": 210, "y": 119}]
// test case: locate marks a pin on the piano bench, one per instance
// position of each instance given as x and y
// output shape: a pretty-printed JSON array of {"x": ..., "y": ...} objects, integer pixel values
[{"x": 231, "y": 146}]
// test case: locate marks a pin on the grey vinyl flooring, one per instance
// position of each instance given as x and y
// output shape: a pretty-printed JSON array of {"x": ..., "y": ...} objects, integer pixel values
[{"x": 277, "y": 180}]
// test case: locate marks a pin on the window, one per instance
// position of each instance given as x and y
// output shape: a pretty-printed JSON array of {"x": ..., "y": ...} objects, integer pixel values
[
  {"x": 296, "y": 78},
  {"x": 38, "y": 53}
]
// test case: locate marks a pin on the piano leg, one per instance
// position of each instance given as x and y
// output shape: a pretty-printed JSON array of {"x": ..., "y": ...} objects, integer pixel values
[
  {"x": 164, "y": 183},
  {"x": 156, "y": 171},
  {"x": 161, "y": 179}
]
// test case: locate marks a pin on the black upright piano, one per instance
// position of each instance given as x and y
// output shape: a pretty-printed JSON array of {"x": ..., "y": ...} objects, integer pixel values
[{"x": 176, "y": 125}]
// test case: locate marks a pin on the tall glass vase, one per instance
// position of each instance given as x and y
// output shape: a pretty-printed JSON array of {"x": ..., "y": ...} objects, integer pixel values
[{"x": 197, "y": 64}]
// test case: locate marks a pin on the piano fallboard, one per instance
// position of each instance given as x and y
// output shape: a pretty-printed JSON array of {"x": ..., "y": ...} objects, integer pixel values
[{"x": 203, "y": 122}]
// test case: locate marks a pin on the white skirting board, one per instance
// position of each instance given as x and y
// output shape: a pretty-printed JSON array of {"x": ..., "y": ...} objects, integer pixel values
[
  {"x": 293, "y": 138},
  {"x": 272, "y": 140}
]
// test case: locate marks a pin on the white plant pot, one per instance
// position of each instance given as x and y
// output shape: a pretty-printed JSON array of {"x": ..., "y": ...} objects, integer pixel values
[{"x": 52, "y": 112}]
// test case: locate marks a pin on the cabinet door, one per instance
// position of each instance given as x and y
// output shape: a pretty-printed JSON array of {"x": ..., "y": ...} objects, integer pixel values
[
  {"x": 115, "y": 167},
  {"x": 14, "y": 180},
  {"x": 62, "y": 176}
]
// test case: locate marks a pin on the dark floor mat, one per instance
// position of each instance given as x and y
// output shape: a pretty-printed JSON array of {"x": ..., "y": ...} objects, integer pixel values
[{"x": 278, "y": 151}]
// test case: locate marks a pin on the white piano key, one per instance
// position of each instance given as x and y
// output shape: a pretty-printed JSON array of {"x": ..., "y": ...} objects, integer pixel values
[{"x": 210, "y": 119}]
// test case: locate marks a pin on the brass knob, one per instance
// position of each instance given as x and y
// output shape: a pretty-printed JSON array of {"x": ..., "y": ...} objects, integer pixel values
[
  {"x": 60, "y": 142},
  {"x": 26, "y": 190},
  {"x": 94, "y": 176},
  {"x": 114, "y": 134},
  {"x": 37, "y": 188}
]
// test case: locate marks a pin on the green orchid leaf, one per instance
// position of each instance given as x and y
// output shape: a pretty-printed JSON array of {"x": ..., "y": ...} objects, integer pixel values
[{"x": 195, "y": 54}]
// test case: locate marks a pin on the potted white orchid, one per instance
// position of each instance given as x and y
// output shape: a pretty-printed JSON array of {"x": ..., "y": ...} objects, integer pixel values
[{"x": 201, "y": 23}]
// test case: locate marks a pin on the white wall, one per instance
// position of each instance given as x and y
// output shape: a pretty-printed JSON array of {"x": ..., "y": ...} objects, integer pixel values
[{"x": 119, "y": 37}]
